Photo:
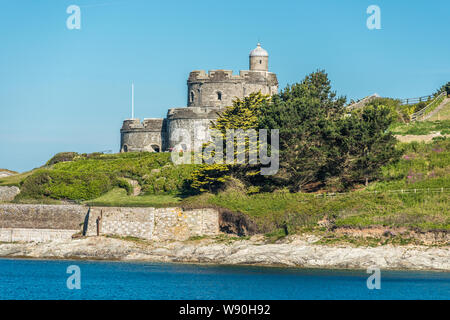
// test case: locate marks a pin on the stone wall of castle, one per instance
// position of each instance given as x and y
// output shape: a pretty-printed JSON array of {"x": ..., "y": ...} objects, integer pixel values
[
  {"x": 188, "y": 127},
  {"x": 219, "y": 88},
  {"x": 156, "y": 224},
  {"x": 149, "y": 135}
]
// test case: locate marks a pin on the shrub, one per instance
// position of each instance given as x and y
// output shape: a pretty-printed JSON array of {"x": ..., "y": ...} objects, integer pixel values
[
  {"x": 65, "y": 185},
  {"x": 61, "y": 157}
]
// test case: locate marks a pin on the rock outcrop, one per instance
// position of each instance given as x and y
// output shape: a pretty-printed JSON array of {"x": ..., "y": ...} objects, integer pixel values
[
  {"x": 293, "y": 252},
  {"x": 8, "y": 193}
]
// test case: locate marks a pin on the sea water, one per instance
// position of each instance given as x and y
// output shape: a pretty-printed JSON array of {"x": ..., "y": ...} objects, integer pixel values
[{"x": 38, "y": 279}]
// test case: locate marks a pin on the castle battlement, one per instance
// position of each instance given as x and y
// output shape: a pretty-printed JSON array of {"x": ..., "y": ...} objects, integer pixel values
[
  {"x": 193, "y": 113},
  {"x": 149, "y": 124},
  {"x": 220, "y": 75}
]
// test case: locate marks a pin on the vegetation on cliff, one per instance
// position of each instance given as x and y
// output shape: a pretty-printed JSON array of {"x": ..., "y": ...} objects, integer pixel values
[{"x": 90, "y": 176}]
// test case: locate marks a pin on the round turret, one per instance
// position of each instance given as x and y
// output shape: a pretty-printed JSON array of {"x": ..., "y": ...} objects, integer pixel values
[{"x": 259, "y": 59}]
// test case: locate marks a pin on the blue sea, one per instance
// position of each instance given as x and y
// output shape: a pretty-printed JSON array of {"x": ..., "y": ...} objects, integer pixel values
[{"x": 37, "y": 279}]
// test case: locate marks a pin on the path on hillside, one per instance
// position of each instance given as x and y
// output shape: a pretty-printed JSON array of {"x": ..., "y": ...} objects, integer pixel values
[{"x": 432, "y": 113}]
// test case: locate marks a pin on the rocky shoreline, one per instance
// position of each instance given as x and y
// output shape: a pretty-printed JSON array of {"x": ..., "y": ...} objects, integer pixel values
[{"x": 293, "y": 251}]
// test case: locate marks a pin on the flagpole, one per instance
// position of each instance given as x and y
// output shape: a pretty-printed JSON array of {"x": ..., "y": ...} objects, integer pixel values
[{"x": 132, "y": 100}]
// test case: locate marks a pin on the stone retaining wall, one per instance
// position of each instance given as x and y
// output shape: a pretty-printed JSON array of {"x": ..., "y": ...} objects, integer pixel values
[
  {"x": 153, "y": 223},
  {"x": 26, "y": 222},
  {"x": 39, "y": 216},
  {"x": 34, "y": 235}
]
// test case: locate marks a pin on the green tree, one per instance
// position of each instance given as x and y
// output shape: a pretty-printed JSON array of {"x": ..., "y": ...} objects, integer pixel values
[
  {"x": 242, "y": 115},
  {"x": 305, "y": 114},
  {"x": 367, "y": 144},
  {"x": 445, "y": 87}
]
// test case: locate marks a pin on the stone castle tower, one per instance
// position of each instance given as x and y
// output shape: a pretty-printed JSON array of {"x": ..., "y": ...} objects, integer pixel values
[{"x": 207, "y": 95}]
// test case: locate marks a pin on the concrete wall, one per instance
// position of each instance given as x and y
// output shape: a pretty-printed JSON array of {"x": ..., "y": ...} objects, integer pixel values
[
  {"x": 153, "y": 223},
  {"x": 34, "y": 235}
]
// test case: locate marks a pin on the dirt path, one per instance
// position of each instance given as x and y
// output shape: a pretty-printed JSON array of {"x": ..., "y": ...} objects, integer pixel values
[{"x": 419, "y": 138}]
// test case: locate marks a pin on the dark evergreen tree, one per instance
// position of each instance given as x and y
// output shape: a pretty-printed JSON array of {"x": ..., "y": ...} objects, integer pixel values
[
  {"x": 367, "y": 144},
  {"x": 305, "y": 114}
]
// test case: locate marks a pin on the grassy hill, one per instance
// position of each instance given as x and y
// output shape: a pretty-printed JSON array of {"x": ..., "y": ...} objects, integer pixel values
[
  {"x": 443, "y": 114},
  {"x": 85, "y": 177},
  {"x": 439, "y": 122},
  {"x": 412, "y": 193},
  {"x": 104, "y": 180}
]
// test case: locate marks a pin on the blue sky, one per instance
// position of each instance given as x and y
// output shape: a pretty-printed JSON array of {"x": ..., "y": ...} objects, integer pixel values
[{"x": 69, "y": 90}]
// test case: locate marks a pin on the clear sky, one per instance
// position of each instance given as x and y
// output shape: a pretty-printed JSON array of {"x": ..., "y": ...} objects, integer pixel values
[{"x": 69, "y": 90}]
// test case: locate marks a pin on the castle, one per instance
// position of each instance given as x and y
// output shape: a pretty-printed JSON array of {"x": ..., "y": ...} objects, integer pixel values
[{"x": 207, "y": 95}]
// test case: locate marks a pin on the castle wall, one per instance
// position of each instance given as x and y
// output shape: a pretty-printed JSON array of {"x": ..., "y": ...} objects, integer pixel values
[
  {"x": 189, "y": 127},
  {"x": 207, "y": 93},
  {"x": 219, "y": 88},
  {"x": 140, "y": 141},
  {"x": 259, "y": 63},
  {"x": 146, "y": 136}
]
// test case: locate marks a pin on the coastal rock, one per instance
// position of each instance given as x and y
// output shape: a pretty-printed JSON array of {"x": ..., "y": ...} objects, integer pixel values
[
  {"x": 8, "y": 193},
  {"x": 296, "y": 253}
]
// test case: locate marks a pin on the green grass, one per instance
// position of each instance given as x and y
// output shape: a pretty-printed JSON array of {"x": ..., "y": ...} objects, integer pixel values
[
  {"x": 272, "y": 211},
  {"x": 423, "y": 166},
  {"x": 87, "y": 177},
  {"x": 119, "y": 198},
  {"x": 433, "y": 105},
  {"x": 421, "y": 127},
  {"x": 443, "y": 114},
  {"x": 92, "y": 179}
]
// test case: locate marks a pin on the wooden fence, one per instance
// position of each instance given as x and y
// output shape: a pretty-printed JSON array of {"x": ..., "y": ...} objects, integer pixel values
[
  {"x": 430, "y": 107},
  {"x": 401, "y": 191},
  {"x": 410, "y": 101}
]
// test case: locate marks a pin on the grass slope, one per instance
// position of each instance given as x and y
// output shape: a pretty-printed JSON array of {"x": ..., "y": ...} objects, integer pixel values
[
  {"x": 118, "y": 197},
  {"x": 90, "y": 176},
  {"x": 443, "y": 114},
  {"x": 98, "y": 180}
]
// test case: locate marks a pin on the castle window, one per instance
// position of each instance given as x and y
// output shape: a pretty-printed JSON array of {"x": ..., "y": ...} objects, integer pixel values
[
  {"x": 192, "y": 96},
  {"x": 260, "y": 61},
  {"x": 219, "y": 96}
]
